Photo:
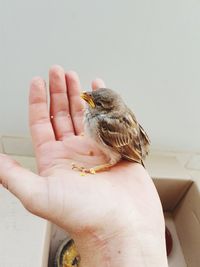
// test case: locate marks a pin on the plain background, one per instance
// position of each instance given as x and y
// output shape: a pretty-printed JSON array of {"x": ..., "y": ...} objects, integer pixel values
[{"x": 149, "y": 51}]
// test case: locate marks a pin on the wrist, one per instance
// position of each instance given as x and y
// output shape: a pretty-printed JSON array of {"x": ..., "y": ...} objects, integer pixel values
[{"x": 129, "y": 246}]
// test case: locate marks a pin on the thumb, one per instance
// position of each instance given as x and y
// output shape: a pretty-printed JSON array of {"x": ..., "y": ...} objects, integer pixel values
[{"x": 29, "y": 188}]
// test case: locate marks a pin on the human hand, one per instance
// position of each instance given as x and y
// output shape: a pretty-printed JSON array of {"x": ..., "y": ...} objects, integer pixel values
[{"x": 115, "y": 215}]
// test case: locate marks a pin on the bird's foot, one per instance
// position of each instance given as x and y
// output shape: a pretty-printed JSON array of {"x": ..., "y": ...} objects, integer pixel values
[
  {"x": 82, "y": 169},
  {"x": 77, "y": 167},
  {"x": 99, "y": 168}
]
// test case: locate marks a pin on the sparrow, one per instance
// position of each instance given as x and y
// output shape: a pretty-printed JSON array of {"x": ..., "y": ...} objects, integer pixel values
[{"x": 114, "y": 127}]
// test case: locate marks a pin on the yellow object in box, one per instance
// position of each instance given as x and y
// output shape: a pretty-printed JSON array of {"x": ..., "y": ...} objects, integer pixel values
[{"x": 67, "y": 255}]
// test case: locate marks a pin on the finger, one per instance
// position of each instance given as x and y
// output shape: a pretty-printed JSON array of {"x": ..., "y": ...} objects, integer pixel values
[
  {"x": 40, "y": 125},
  {"x": 30, "y": 188},
  {"x": 59, "y": 104},
  {"x": 98, "y": 83},
  {"x": 76, "y": 103}
]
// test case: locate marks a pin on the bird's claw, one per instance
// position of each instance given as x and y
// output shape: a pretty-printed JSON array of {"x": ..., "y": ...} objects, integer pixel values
[
  {"x": 83, "y": 170},
  {"x": 92, "y": 171}
]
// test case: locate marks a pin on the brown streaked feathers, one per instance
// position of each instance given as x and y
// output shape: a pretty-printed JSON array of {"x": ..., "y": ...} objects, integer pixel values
[{"x": 125, "y": 135}]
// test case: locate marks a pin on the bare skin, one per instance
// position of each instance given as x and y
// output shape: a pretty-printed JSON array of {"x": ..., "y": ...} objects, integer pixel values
[{"x": 115, "y": 217}]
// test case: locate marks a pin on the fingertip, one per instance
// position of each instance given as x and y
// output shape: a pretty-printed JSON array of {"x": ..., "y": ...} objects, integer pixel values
[
  {"x": 98, "y": 83},
  {"x": 72, "y": 75},
  {"x": 6, "y": 165},
  {"x": 5, "y": 159},
  {"x": 36, "y": 82},
  {"x": 73, "y": 83},
  {"x": 37, "y": 91},
  {"x": 56, "y": 71}
]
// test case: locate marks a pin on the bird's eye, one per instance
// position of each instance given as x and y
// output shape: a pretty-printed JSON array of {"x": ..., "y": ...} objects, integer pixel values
[{"x": 98, "y": 104}]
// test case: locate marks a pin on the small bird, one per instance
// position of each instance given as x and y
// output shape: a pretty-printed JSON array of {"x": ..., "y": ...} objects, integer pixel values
[{"x": 114, "y": 127}]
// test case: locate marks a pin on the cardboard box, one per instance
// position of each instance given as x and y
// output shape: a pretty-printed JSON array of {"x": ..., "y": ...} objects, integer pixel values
[{"x": 180, "y": 197}]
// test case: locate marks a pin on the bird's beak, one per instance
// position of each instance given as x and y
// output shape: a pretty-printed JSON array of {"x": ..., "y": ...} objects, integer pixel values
[{"x": 88, "y": 98}]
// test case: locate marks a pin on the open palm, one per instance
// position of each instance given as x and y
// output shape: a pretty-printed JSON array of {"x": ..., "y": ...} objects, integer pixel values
[{"x": 58, "y": 135}]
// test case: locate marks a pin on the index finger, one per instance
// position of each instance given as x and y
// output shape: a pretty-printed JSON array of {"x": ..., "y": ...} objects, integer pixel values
[
  {"x": 76, "y": 103},
  {"x": 39, "y": 119}
]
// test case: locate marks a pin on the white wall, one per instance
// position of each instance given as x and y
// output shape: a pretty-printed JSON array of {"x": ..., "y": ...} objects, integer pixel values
[{"x": 147, "y": 50}]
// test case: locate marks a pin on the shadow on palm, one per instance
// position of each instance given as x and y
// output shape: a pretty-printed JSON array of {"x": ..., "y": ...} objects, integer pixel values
[{"x": 74, "y": 149}]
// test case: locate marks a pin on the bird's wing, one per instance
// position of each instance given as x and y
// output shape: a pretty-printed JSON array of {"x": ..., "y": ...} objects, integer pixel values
[
  {"x": 144, "y": 140},
  {"x": 123, "y": 135},
  {"x": 144, "y": 135}
]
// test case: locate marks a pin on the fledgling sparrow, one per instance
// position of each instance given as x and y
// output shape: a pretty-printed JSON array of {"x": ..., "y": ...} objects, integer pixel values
[{"x": 114, "y": 127}]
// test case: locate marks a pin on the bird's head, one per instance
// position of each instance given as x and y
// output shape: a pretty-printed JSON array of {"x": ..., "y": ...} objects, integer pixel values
[{"x": 103, "y": 100}]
